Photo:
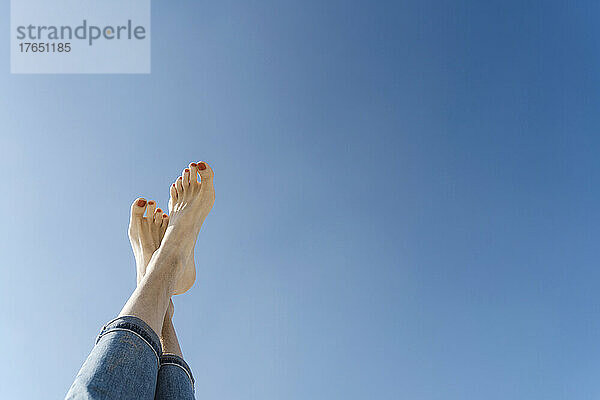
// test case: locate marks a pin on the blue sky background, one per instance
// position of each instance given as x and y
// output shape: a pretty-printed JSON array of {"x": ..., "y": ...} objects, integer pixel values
[{"x": 406, "y": 200}]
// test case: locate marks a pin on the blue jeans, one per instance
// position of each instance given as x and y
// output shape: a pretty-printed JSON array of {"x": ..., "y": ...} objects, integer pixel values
[{"x": 127, "y": 363}]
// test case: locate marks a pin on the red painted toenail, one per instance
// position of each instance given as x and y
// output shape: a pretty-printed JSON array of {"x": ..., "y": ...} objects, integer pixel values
[
  {"x": 159, "y": 210},
  {"x": 173, "y": 185},
  {"x": 165, "y": 215},
  {"x": 194, "y": 164},
  {"x": 201, "y": 166},
  {"x": 187, "y": 170},
  {"x": 141, "y": 202},
  {"x": 150, "y": 202}
]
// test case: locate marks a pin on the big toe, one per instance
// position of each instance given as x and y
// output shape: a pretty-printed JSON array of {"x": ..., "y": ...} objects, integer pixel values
[
  {"x": 205, "y": 171},
  {"x": 137, "y": 213},
  {"x": 138, "y": 207}
]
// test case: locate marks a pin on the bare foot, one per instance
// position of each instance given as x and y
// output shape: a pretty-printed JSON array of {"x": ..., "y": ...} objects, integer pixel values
[
  {"x": 145, "y": 233},
  {"x": 191, "y": 201}
]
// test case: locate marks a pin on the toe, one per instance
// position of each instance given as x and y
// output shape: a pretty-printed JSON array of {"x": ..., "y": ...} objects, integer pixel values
[
  {"x": 186, "y": 177},
  {"x": 193, "y": 173},
  {"x": 137, "y": 213},
  {"x": 205, "y": 171},
  {"x": 179, "y": 186},
  {"x": 163, "y": 226},
  {"x": 157, "y": 217},
  {"x": 173, "y": 193},
  {"x": 151, "y": 208},
  {"x": 138, "y": 207}
]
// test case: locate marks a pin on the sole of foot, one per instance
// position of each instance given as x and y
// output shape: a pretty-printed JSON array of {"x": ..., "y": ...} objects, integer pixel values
[{"x": 192, "y": 198}]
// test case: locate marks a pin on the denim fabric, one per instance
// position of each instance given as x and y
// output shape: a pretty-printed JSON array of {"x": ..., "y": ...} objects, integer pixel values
[
  {"x": 122, "y": 365},
  {"x": 127, "y": 363},
  {"x": 175, "y": 380}
]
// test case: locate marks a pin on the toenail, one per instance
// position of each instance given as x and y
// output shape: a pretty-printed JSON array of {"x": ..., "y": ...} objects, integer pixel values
[
  {"x": 159, "y": 210},
  {"x": 141, "y": 202},
  {"x": 150, "y": 202},
  {"x": 194, "y": 164},
  {"x": 173, "y": 185},
  {"x": 201, "y": 166},
  {"x": 165, "y": 215},
  {"x": 187, "y": 170}
]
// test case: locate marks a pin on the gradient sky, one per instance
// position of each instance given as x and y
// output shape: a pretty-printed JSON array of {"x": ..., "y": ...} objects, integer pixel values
[{"x": 406, "y": 200}]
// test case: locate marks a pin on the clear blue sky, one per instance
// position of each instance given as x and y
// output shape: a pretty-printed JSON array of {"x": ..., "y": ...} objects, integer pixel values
[{"x": 406, "y": 200}]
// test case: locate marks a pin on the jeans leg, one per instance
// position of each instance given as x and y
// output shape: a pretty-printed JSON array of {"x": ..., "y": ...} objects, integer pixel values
[
  {"x": 175, "y": 380},
  {"x": 122, "y": 365}
]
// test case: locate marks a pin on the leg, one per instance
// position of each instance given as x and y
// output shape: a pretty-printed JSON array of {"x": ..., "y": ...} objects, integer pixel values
[
  {"x": 122, "y": 365},
  {"x": 168, "y": 336},
  {"x": 192, "y": 203},
  {"x": 175, "y": 380},
  {"x": 125, "y": 361},
  {"x": 150, "y": 299},
  {"x": 119, "y": 366}
]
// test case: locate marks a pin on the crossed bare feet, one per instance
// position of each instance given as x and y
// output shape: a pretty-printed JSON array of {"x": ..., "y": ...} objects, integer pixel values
[{"x": 190, "y": 202}]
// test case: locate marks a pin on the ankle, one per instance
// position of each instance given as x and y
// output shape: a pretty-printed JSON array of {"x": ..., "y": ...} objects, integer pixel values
[{"x": 167, "y": 258}]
